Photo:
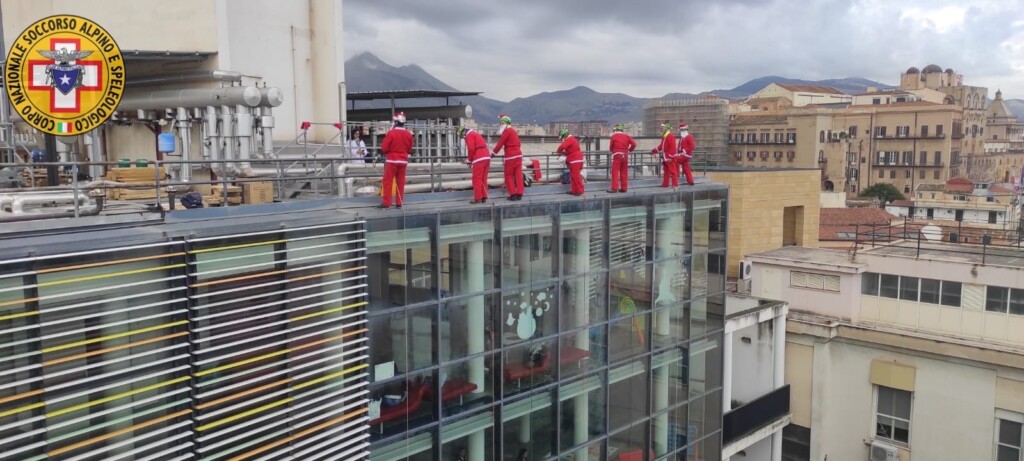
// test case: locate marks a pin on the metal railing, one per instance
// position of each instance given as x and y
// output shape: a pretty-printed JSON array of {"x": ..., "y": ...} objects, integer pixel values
[
  {"x": 755, "y": 414},
  {"x": 316, "y": 176},
  {"x": 961, "y": 239}
]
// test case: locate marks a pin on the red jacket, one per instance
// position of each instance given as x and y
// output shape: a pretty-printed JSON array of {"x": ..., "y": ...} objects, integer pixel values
[
  {"x": 476, "y": 147},
  {"x": 510, "y": 141},
  {"x": 686, "y": 146},
  {"x": 571, "y": 148},
  {"x": 396, "y": 145},
  {"x": 621, "y": 143},
  {"x": 667, "y": 148}
]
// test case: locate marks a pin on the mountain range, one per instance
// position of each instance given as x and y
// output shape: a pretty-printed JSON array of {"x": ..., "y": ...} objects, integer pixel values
[{"x": 367, "y": 72}]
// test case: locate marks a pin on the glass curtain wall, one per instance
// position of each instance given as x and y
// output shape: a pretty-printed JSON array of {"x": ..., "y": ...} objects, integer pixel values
[{"x": 581, "y": 330}]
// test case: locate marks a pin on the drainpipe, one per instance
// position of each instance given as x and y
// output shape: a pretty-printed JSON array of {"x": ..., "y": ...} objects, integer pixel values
[
  {"x": 184, "y": 124},
  {"x": 211, "y": 141}
]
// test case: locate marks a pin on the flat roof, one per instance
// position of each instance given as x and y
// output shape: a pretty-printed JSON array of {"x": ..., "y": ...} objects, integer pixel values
[
  {"x": 157, "y": 55},
  {"x": 406, "y": 94},
  {"x": 808, "y": 255},
  {"x": 989, "y": 255}
]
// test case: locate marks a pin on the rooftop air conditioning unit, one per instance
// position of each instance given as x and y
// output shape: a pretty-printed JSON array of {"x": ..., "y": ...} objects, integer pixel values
[
  {"x": 745, "y": 270},
  {"x": 883, "y": 452}
]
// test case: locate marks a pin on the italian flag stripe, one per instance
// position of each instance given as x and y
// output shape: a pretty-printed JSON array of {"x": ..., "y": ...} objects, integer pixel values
[{"x": 63, "y": 127}]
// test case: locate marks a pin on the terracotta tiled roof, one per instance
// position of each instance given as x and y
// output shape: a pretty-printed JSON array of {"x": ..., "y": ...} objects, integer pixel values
[
  {"x": 905, "y": 203},
  {"x": 959, "y": 185},
  {"x": 754, "y": 119},
  {"x": 842, "y": 223},
  {"x": 810, "y": 88},
  {"x": 931, "y": 187},
  {"x": 1001, "y": 189}
]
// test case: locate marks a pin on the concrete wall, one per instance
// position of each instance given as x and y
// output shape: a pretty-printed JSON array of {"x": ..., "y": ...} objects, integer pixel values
[
  {"x": 952, "y": 414},
  {"x": 752, "y": 363},
  {"x": 756, "y": 203},
  {"x": 773, "y": 282}
]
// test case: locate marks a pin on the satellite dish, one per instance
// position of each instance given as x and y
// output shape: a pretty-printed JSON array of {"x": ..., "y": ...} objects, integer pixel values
[
  {"x": 469, "y": 111},
  {"x": 931, "y": 233}
]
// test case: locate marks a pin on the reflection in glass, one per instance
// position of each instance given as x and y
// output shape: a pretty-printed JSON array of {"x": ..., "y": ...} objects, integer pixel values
[
  {"x": 583, "y": 412},
  {"x": 467, "y": 252},
  {"x": 469, "y": 438},
  {"x": 528, "y": 428},
  {"x": 400, "y": 266},
  {"x": 627, "y": 337},
  {"x": 467, "y": 327},
  {"x": 581, "y": 351},
  {"x": 584, "y": 300},
  {"x": 628, "y": 385},
  {"x": 582, "y": 237},
  {"x": 630, "y": 290},
  {"x": 630, "y": 443},
  {"x": 526, "y": 247},
  {"x": 388, "y": 346},
  {"x": 528, "y": 313}
]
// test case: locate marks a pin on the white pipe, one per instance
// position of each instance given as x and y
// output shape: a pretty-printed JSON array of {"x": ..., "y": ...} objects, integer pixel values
[
  {"x": 20, "y": 201},
  {"x": 94, "y": 149},
  {"x": 267, "y": 132},
  {"x": 184, "y": 124},
  {"x": 215, "y": 75},
  {"x": 91, "y": 210},
  {"x": 211, "y": 140},
  {"x": 243, "y": 131},
  {"x": 227, "y": 136},
  {"x": 160, "y": 100},
  {"x": 270, "y": 97}
]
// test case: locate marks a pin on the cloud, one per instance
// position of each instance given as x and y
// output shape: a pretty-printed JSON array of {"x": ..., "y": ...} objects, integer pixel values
[{"x": 647, "y": 49}]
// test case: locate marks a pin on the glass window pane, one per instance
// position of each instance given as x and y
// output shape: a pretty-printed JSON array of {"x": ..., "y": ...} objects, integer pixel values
[
  {"x": 627, "y": 337},
  {"x": 527, "y": 253},
  {"x": 930, "y": 291},
  {"x": 1008, "y": 454},
  {"x": 698, "y": 317},
  {"x": 422, "y": 323},
  {"x": 468, "y": 255},
  {"x": 581, "y": 351},
  {"x": 628, "y": 392},
  {"x": 583, "y": 411},
  {"x": 1017, "y": 301},
  {"x": 582, "y": 237},
  {"x": 584, "y": 301},
  {"x": 468, "y": 384},
  {"x": 890, "y": 286},
  {"x": 670, "y": 237},
  {"x": 908, "y": 288},
  {"x": 951, "y": 293},
  {"x": 528, "y": 365},
  {"x": 388, "y": 341},
  {"x": 901, "y": 404},
  {"x": 668, "y": 430},
  {"x": 528, "y": 429},
  {"x": 883, "y": 427},
  {"x": 628, "y": 234},
  {"x": 885, "y": 400},
  {"x": 1009, "y": 433},
  {"x": 467, "y": 327},
  {"x": 629, "y": 444},
  {"x": 996, "y": 299},
  {"x": 469, "y": 438},
  {"x": 630, "y": 290},
  {"x": 670, "y": 383},
  {"x": 399, "y": 405},
  {"x": 528, "y": 313},
  {"x": 869, "y": 283}
]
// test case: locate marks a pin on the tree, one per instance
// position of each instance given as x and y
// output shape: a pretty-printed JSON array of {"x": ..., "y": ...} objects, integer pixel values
[{"x": 884, "y": 191}]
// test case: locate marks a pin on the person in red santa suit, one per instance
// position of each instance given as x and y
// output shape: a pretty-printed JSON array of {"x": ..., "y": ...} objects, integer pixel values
[
  {"x": 685, "y": 151},
  {"x": 396, "y": 146},
  {"x": 667, "y": 150},
  {"x": 620, "y": 144},
  {"x": 479, "y": 159},
  {"x": 570, "y": 148},
  {"x": 513, "y": 161}
]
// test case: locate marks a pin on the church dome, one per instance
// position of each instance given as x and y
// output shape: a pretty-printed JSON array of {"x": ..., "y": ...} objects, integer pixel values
[
  {"x": 913, "y": 70},
  {"x": 932, "y": 69},
  {"x": 950, "y": 71}
]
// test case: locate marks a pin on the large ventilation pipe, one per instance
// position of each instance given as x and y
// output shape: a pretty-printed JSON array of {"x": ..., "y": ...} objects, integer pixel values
[
  {"x": 94, "y": 149},
  {"x": 160, "y": 100},
  {"x": 227, "y": 136},
  {"x": 212, "y": 140},
  {"x": 18, "y": 203},
  {"x": 243, "y": 132},
  {"x": 184, "y": 125},
  {"x": 266, "y": 132},
  {"x": 201, "y": 76}
]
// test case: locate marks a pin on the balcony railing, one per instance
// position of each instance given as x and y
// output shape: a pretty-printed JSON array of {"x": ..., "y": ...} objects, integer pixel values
[{"x": 755, "y": 414}]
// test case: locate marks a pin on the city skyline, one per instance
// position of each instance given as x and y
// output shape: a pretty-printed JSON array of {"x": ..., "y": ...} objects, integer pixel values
[{"x": 528, "y": 48}]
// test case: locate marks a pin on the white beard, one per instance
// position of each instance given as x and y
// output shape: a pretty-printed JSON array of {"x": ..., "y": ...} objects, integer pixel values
[{"x": 502, "y": 128}]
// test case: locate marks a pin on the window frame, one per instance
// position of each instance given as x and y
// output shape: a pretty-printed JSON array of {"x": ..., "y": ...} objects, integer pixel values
[
  {"x": 959, "y": 294},
  {"x": 1008, "y": 416},
  {"x": 878, "y": 389}
]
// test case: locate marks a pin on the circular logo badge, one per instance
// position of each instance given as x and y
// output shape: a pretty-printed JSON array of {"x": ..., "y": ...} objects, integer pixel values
[{"x": 65, "y": 75}]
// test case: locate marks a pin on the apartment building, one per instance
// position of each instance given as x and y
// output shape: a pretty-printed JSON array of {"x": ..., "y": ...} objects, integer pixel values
[
  {"x": 589, "y": 128},
  {"x": 802, "y": 95},
  {"x": 913, "y": 350},
  {"x": 960, "y": 200}
]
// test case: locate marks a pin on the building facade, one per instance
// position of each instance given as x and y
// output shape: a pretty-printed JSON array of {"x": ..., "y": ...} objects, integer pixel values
[
  {"x": 910, "y": 349},
  {"x": 588, "y": 128},
  {"x": 563, "y": 328}
]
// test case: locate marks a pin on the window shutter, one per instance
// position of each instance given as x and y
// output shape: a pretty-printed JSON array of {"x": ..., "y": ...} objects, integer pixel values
[
  {"x": 974, "y": 296},
  {"x": 798, "y": 279},
  {"x": 832, "y": 283},
  {"x": 816, "y": 281}
]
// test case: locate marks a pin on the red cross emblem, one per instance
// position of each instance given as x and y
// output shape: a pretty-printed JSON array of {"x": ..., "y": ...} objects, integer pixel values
[{"x": 92, "y": 78}]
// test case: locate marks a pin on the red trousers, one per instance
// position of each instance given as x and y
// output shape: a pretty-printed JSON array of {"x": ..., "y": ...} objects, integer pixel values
[
  {"x": 576, "y": 177},
  {"x": 480, "y": 179},
  {"x": 393, "y": 172},
  {"x": 670, "y": 176},
  {"x": 684, "y": 161},
  {"x": 620, "y": 171},
  {"x": 514, "y": 176}
]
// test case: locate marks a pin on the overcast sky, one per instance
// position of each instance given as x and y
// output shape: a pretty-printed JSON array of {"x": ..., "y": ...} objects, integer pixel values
[{"x": 646, "y": 48}]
